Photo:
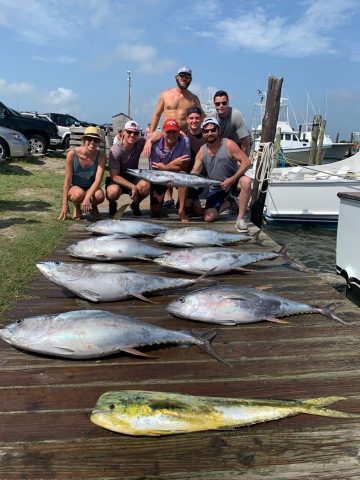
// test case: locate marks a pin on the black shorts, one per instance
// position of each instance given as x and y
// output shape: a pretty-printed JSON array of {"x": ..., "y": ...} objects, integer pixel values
[
  {"x": 129, "y": 178},
  {"x": 216, "y": 198}
]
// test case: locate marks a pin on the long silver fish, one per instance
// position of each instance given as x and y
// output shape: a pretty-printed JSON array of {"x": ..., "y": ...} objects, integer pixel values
[
  {"x": 178, "y": 179},
  {"x": 134, "y": 228},
  {"x": 95, "y": 333},
  {"x": 199, "y": 237},
  {"x": 214, "y": 260},
  {"x": 134, "y": 412},
  {"x": 113, "y": 247},
  {"x": 232, "y": 305},
  {"x": 103, "y": 282}
]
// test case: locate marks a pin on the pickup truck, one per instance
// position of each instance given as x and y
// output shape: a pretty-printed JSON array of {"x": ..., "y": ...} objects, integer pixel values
[{"x": 40, "y": 133}]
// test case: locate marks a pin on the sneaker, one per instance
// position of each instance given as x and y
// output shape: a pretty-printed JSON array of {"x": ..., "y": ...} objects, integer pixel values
[
  {"x": 112, "y": 208},
  {"x": 241, "y": 226},
  {"x": 136, "y": 212},
  {"x": 169, "y": 204}
]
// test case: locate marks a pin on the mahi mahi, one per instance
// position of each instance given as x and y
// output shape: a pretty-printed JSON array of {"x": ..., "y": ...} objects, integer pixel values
[
  {"x": 103, "y": 282},
  {"x": 134, "y": 412},
  {"x": 232, "y": 305},
  {"x": 178, "y": 179},
  {"x": 214, "y": 260},
  {"x": 113, "y": 247},
  {"x": 134, "y": 228},
  {"x": 199, "y": 237},
  {"x": 82, "y": 334}
]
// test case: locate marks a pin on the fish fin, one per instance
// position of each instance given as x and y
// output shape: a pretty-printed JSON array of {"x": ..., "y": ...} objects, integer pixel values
[
  {"x": 102, "y": 257},
  {"x": 64, "y": 349},
  {"x": 84, "y": 304},
  {"x": 219, "y": 244},
  {"x": 139, "y": 296},
  {"x": 89, "y": 295},
  {"x": 255, "y": 237},
  {"x": 148, "y": 259},
  {"x": 245, "y": 270},
  {"x": 329, "y": 312},
  {"x": 136, "y": 352},
  {"x": 276, "y": 320},
  {"x": 120, "y": 211},
  {"x": 205, "y": 339},
  {"x": 315, "y": 406},
  {"x": 264, "y": 287}
]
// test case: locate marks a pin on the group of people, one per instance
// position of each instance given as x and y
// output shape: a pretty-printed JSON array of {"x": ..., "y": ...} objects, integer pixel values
[{"x": 216, "y": 147}]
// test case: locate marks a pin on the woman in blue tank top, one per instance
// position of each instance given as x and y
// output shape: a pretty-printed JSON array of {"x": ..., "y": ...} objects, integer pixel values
[{"x": 84, "y": 170}]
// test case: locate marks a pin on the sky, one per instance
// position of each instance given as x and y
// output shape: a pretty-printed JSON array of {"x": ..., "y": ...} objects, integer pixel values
[{"x": 72, "y": 56}]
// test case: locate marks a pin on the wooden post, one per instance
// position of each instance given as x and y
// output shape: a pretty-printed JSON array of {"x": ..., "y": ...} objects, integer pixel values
[
  {"x": 319, "y": 147},
  {"x": 337, "y": 137},
  {"x": 268, "y": 130},
  {"x": 314, "y": 138}
]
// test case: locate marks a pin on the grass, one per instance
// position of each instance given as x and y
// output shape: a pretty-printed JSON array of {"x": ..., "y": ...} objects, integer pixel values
[{"x": 30, "y": 202}]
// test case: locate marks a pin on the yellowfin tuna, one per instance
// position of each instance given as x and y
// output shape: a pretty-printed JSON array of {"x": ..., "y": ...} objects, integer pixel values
[{"x": 135, "y": 412}]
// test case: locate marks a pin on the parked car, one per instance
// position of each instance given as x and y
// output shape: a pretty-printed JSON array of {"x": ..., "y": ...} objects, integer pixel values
[
  {"x": 13, "y": 144},
  {"x": 40, "y": 132}
]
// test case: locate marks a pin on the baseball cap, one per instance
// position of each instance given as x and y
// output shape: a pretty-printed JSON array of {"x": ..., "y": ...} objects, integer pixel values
[
  {"x": 131, "y": 125},
  {"x": 93, "y": 132},
  {"x": 191, "y": 110},
  {"x": 171, "y": 124},
  {"x": 210, "y": 120},
  {"x": 184, "y": 69}
]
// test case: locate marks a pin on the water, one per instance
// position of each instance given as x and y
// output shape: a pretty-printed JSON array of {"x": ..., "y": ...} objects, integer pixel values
[{"x": 314, "y": 246}]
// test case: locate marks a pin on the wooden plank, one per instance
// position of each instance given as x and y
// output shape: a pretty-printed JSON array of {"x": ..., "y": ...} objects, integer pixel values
[{"x": 45, "y": 403}]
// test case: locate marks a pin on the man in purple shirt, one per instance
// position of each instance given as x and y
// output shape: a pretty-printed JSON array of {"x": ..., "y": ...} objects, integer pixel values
[{"x": 171, "y": 152}]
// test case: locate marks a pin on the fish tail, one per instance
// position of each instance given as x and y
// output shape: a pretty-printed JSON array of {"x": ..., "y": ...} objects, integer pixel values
[
  {"x": 328, "y": 312},
  {"x": 315, "y": 406},
  {"x": 204, "y": 343}
]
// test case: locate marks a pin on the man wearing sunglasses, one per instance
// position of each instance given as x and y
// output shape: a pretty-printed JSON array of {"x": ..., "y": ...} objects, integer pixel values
[
  {"x": 222, "y": 159},
  {"x": 125, "y": 154},
  {"x": 231, "y": 121}
]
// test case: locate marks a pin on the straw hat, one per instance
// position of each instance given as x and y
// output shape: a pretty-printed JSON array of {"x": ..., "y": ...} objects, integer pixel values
[{"x": 93, "y": 132}]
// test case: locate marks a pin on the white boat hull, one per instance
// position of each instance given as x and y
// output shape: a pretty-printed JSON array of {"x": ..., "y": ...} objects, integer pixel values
[
  {"x": 309, "y": 194},
  {"x": 347, "y": 245}
]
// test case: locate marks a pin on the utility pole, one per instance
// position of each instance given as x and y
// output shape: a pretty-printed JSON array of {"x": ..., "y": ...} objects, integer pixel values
[{"x": 129, "y": 92}]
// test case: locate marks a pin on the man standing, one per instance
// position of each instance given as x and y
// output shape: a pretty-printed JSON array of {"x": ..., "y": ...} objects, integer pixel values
[
  {"x": 174, "y": 102},
  {"x": 231, "y": 121},
  {"x": 223, "y": 160},
  {"x": 171, "y": 152},
  {"x": 125, "y": 154}
]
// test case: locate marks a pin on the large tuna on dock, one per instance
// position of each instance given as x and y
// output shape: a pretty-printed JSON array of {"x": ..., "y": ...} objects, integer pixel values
[
  {"x": 113, "y": 247},
  {"x": 103, "y": 282},
  {"x": 199, "y": 237},
  {"x": 95, "y": 333},
  {"x": 213, "y": 260},
  {"x": 232, "y": 305},
  {"x": 134, "y": 412},
  {"x": 134, "y": 228}
]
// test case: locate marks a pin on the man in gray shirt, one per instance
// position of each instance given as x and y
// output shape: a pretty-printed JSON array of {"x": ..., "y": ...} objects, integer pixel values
[{"x": 231, "y": 121}]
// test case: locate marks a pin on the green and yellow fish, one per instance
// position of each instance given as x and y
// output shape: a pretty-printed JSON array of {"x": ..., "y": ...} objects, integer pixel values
[{"x": 135, "y": 412}]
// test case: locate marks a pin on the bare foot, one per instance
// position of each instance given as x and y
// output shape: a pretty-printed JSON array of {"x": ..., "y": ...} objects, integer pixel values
[
  {"x": 94, "y": 212},
  {"x": 183, "y": 217}
]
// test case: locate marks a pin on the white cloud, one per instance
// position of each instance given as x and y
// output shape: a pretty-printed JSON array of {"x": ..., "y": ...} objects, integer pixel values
[
  {"x": 7, "y": 88},
  {"x": 64, "y": 59},
  {"x": 61, "y": 99},
  {"x": 309, "y": 34}
]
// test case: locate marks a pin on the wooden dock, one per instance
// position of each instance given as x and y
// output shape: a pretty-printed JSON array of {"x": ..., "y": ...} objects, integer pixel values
[{"x": 45, "y": 429}]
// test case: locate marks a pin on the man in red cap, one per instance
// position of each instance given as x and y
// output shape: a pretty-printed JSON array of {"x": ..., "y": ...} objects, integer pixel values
[{"x": 171, "y": 152}]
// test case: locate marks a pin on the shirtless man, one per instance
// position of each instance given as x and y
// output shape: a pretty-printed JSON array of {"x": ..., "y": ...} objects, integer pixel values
[{"x": 174, "y": 102}]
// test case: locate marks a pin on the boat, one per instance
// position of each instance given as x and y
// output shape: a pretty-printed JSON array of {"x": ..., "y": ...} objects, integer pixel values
[
  {"x": 348, "y": 231},
  {"x": 295, "y": 149},
  {"x": 308, "y": 194},
  {"x": 332, "y": 151}
]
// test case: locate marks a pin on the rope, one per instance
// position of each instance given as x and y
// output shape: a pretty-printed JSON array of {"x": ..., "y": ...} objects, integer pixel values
[{"x": 266, "y": 159}]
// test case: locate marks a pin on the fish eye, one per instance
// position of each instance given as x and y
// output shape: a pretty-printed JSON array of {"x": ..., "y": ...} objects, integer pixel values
[
  {"x": 19, "y": 322},
  {"x": 111, "y": 406},
  {"x": 57, "y": 263},
  {"x": 182, "y": 300}
]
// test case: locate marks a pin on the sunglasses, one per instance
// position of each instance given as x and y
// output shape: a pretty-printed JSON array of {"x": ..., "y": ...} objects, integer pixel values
[
  {"x": 92, "y": 139},
  {"x": 131, "y": 132},
  {"x": 184, "y": 75},
  {"x": 217, "y": 104},
  {"x": 209, "y": 130}
]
